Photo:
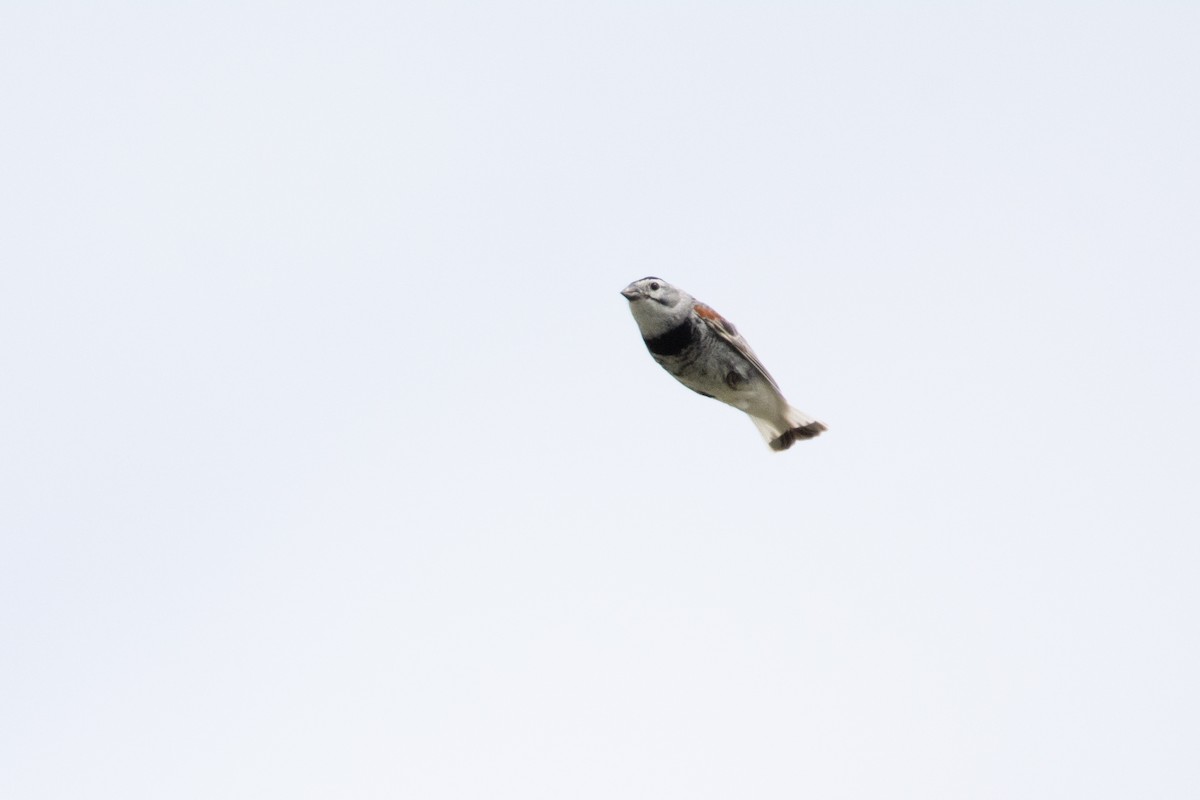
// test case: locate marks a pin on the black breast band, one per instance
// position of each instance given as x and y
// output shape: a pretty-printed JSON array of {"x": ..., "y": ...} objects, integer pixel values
[{"x": 674, "y": 341}]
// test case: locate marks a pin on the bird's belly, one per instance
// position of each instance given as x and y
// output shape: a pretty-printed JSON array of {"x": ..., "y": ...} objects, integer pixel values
[{"x": 725, "y": 381}]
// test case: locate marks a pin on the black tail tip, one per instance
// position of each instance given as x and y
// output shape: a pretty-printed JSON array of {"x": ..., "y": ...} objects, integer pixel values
[{"x": 790, "y": 437}]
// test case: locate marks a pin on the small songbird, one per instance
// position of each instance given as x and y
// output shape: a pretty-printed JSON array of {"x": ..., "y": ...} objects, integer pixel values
[{"x": 705, "y": 353}]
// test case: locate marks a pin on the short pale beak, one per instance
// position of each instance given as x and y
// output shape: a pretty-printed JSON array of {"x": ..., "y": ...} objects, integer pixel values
[{"x": 631, "y": 293}]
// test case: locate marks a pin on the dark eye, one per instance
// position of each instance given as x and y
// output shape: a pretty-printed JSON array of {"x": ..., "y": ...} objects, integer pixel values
[{"x": 654, "y": 286}]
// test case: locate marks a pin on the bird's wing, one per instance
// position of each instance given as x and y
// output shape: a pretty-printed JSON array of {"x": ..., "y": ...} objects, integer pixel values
[{"x": 724, "y": 328}]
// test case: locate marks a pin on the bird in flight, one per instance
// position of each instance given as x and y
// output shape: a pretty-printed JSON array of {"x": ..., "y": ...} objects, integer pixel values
[{"x": 705, "y": 353}]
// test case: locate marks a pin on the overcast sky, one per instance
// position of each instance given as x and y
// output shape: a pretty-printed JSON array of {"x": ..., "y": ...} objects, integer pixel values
[{"x": 332, "y": 464}]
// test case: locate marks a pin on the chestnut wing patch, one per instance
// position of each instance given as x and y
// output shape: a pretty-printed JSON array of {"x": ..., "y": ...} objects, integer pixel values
[{"x": 709, "y": 315}]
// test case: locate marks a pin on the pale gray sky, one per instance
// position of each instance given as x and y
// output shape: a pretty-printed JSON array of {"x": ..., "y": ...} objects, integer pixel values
[{"x": 333, "y": 464}]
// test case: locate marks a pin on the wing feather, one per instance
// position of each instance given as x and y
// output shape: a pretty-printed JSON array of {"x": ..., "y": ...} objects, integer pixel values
[{"x": 725, "y": 329}]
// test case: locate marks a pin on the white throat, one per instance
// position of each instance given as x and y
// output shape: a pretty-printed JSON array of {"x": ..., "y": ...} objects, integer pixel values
[{"x": 654, "y": 319}]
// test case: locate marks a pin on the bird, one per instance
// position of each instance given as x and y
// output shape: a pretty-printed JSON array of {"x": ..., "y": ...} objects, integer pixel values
[{"x": 705, "y": 352}]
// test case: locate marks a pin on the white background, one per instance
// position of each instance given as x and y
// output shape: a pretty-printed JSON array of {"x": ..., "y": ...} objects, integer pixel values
[{"x": 333, "y": 465}]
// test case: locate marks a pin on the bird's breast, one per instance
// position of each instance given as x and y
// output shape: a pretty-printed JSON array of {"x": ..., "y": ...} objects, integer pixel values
[{"x": 675, "y": 340}]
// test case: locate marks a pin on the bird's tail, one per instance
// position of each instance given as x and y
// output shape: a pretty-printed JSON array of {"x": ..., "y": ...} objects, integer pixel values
[{"x": 785, "y": 431}]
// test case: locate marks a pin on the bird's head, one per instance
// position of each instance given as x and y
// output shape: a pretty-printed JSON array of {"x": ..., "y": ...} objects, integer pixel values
[{"x": 656, "y": 305}]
